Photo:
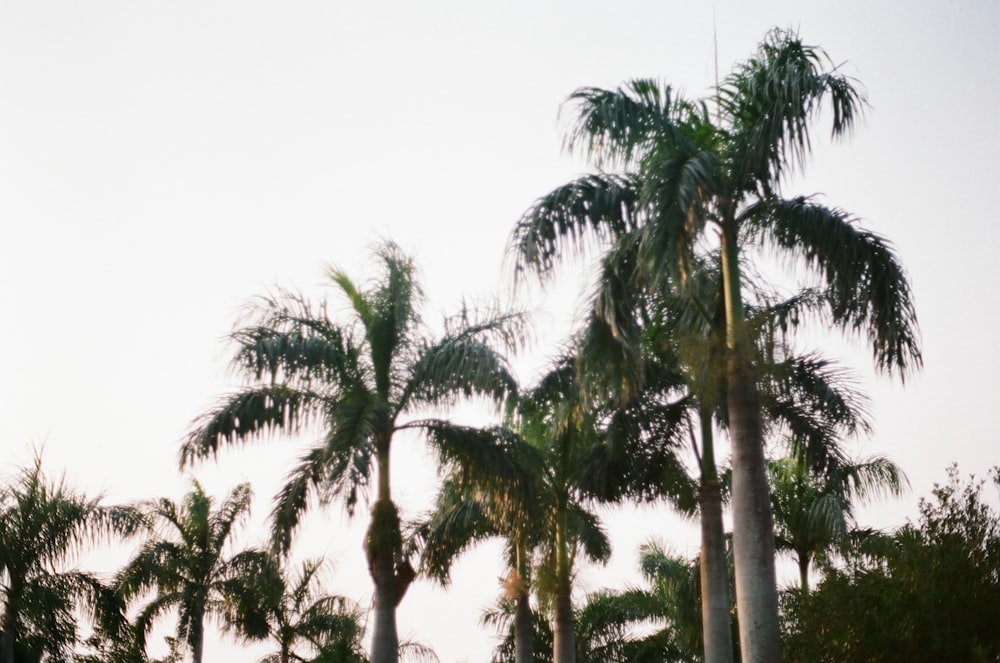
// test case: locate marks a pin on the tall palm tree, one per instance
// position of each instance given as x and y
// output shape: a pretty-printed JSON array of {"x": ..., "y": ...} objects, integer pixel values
[
  {"x": 298, "y": 612},
  {"x": 662, "y": 352},
  {"x": 43, "y": 524},
  {"x": 184, "y": 562},
  {"x": 814, "y": 511},
  {"x": 686, "y": 173},
  {"x": 557, "y": 419},
  {"x": 363, "y": 382}
]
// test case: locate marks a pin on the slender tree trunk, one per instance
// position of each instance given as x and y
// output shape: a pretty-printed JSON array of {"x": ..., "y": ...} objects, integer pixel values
[
  {"x": 197, "y": 640},
  {"x": 524, "y": 631},
  {"x": 390, "y": 572},
  {"x": 804, "y": 573},
  {"x": 524, "y": 628},
  {"x": 385, "y": 641},
  {"x": 563, "y": 638},
  {"x": 716, "y": 625},
  {"x": 753, "y": 530}
]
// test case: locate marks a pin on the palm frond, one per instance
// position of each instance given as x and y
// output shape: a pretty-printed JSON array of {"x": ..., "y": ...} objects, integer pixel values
[
  {"x": 456, "y": 368},
  {"x": 612, "y": 126},
  {"x": 247, "y": 415},
  {"x": 866, "y": 286},
  {"x": 597, "y": 207},
  {"x": 770, "y": 101}
]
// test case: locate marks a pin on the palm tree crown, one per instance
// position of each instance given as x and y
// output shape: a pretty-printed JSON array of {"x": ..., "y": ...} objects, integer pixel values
[
  {"x": 185, "y": 563},
  {"x": 42, "y": 525},
  {"x": 363, "y": 381}
]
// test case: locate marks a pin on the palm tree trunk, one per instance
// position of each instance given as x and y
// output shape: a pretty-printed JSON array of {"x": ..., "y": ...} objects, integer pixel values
[
  {"x": 753, "y": 529},
  {"x": 716, "y": 626},
  {"x": 197, "y": 641},
  {"x": 563, "y": 638},
  {"x": 381, "y": 545},
  {"x": 524, "y": 632},
  {"x": 804, "y": 573},
  {"x": 385, "y": 641},
  {"x": 524, "y": 628}
]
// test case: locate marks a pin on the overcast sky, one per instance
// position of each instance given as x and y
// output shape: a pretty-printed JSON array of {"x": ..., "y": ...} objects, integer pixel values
[{"x": 162, "y": 162}]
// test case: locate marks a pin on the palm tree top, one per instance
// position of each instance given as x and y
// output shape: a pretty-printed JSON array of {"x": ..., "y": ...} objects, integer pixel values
[{"x": 379, "y": 364}]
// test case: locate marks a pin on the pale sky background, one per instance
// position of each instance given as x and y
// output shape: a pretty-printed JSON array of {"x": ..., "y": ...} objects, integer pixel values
[{"x": 162, "y": 162}]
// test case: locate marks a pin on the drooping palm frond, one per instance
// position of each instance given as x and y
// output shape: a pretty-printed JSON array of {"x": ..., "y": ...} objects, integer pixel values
[
  {"x": 817, "y": 404},
  {"x": 247, "y": 415},
  {"x": 458, "y": 368},
  {"x": 867, "y": 290},
  {"x": 593, "y": 207},
  {"x": 613, "y": 127}
]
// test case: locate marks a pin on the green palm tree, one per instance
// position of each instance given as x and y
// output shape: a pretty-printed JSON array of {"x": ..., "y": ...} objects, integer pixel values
[
  {"x": 662, "y": 352},
  {"x": 544, "y": 516},
  {"x": 363, "y": 381},
  {"x": 467, "y": 514},
  {"x": 184, "y": 562},
  {"x": 658, "y": 623},
  {"x": 298, "y": 612},
  {"x": 563, "y": 426},
  {"x": 43, "y": 525},
  {"x": 686, "y": 173},
  {"x": 814, "y": 512}
]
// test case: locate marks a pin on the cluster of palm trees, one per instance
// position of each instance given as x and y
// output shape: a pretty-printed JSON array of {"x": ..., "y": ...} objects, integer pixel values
[
  {"x": 182, "y": 564},
  {"x": 683, "y": 346}
]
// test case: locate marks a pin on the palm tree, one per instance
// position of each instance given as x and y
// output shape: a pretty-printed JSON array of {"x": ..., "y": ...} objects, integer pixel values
[
  {"x": 43, "y": 524},
  {"x": 544, "y": 515},
  {"x": 615, "y": 620},
  {"x": 661, "y": 351},
  {"x": 467, "y": 514},
  {"x": 298, "y": 612},
  {"x": 363, "y": 382},
  {"x": 814, "y": 512},
  {"x": 563, "y": 426},
  {"x": 184, "y": 561},
  {"x": 686, "y": 174}
]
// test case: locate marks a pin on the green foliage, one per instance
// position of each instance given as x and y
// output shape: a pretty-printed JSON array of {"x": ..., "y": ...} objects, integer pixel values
[
  {"x": 43, "y": 525},
  {"x": 930, "y": 592},
  {"x": 184, "y": 563},
  {"x": 306, "y": 623}
]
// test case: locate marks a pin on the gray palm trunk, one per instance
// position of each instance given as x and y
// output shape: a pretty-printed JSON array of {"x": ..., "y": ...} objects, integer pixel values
[
  {"x": 524, "y": 627},
  {"x": 753, "y": 538},
  {"x": 753, "y": 527},
  {"x": 716, "y": 626},
  {"x": 385, "y": 641},
  {"x": 804, "y": 572},
  {"x": 390, "y": 573},
  {"x": 563, "y": 638}
]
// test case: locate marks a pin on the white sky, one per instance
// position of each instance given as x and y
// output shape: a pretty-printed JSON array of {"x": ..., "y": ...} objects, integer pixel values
[{"x": 161, "y": 162}]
